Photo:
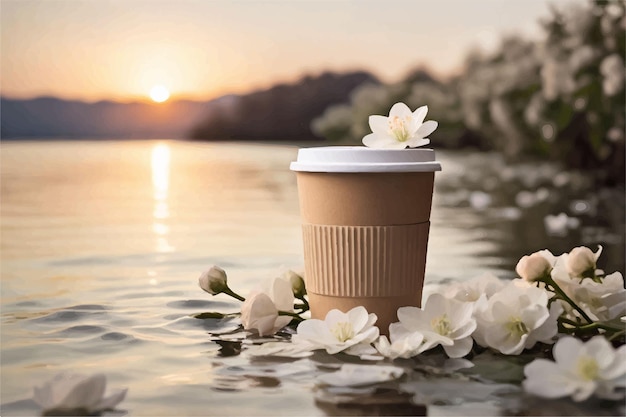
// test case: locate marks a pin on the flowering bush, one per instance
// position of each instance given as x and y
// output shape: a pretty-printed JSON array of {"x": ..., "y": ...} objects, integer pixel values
[
  {"x": 560, "y": 98},
  {"x": 564, "y": 299}
]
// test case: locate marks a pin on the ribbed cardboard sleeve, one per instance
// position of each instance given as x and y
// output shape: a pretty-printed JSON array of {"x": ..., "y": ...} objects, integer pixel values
[{"x": 365, "y": 261}]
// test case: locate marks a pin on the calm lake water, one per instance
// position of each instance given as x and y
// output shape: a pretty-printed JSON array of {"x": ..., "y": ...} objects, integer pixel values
[{"x": 103, "y": 242}]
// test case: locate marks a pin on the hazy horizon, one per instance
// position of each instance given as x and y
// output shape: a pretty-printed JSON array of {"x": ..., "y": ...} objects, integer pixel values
[{"x": 93, "y": 51}]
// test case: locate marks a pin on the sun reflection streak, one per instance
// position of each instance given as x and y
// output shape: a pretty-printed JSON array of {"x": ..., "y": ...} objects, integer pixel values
[{"x": 160, "y": 185}]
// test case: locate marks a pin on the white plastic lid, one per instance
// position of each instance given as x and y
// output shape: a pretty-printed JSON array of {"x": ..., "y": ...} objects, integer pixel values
[{"x": 363, "y": 159}]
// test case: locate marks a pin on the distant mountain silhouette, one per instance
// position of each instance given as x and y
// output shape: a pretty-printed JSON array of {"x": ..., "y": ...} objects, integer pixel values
[
  {"x": 283, "y": 112},
  {"x": 53, "y": 117}
]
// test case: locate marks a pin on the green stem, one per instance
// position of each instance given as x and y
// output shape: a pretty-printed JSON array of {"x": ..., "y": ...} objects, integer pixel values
[
  {"x": 233, "y": 294},
  {"x": 591, "y": 326},
  {"x": 564, "y": 297},
  {"x": 290, "y": 314},
  {"x": 616, "y": 335},
  {"x": 306, "y": 303}
]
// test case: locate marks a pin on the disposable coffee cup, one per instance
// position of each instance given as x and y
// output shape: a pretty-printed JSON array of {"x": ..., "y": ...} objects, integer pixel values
[{"x": 365, "y": 223}]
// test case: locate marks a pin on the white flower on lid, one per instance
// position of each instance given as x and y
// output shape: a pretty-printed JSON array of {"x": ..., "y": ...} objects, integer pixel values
[{"x": 401, "y": 129}]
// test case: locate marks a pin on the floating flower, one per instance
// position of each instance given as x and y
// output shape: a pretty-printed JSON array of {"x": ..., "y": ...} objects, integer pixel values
[
  {"x": 67, "y": 394},
  {"x": 404, "y": 347},
  {"x": 261, "y": 311},
  {"x": 213, "y": 280},
  {"x": 401, "y": 129},
  {"x": 349, "y": 332},
  {"x": 515, "y": 318},
  {"x": 442, "y": 321},
  {"x": 536, "y": 266},
  {"x": 352, "y": 375},
  {"x": 579, "y": 370}
]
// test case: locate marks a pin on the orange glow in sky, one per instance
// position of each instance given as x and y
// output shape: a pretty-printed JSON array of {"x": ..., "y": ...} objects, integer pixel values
[{"x": 120, "y": 49}]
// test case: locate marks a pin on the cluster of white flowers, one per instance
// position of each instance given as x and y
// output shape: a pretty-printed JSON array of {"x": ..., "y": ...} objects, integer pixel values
[
  {"x": 599, "y": 297},
  {"x": 523, "y": 92},
  {"x": 554, "y": 297}
]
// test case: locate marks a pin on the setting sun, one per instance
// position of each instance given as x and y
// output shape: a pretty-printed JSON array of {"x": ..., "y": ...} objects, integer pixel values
[{"x": 159, "y": 93}]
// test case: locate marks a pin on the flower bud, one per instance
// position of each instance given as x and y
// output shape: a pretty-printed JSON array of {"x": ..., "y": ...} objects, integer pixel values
[
  {"x": 259, "y": 313},
  {"x": 533, "y": 267},
  {"x": 213, "y": 281},
  {"x": 581, "y": 262},
  {"x": 297, "y": 284}
]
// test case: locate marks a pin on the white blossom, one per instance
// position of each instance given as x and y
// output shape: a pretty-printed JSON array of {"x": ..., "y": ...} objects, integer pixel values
[
  {"x": 401, "y": 129},
  {"x": 66, "y": 393},
  {"x": 534, "y": 267},
  {"x": 442, "y": 321},
  {"x": 612, "y": 70},
  {"x": 516, "y": 318},
  {"x": 581, "y": 262},
  {"x": 350, "y": 332},
  {"x": 260, "y": 311},
  {"x": 213, "y": 280},
  {"x": 579, "y": 370}
]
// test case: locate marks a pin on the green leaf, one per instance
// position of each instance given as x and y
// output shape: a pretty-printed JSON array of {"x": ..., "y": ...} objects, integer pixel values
[{"x": 209, "y": 315}]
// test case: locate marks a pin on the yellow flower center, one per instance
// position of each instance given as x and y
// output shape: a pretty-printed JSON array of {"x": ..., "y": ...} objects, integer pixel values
[
  {"x": 343, "y": 331},
  {"x": 588, "y": 368},
  {"x": 398, "y": 128},
  {"x": 441, "y": 325},
  {"x": 516, "y": 326}
]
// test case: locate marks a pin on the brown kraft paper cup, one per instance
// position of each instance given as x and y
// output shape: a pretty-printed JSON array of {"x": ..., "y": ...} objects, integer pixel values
[{"x": 365, "y": 238}]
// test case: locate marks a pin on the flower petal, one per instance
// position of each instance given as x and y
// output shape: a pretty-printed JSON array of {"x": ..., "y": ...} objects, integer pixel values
[
  {"x": 460, "y": 348},
  {"x": 356, "y": 375},
  {"x": 395, "y": 145},
  {"x": 280, "y": 322},
  {"x": 617, "y": 370},
  {"x": 545, "y": 379},
  {"x": 419, "y": 115},
  {"x": 413, "y": 318},
  {"x": 416, "y": 142},
  {"x": 584, "y": 390},
  {"x": 566, "y": 352},
  {"x": 358, "y": 317},
  {"x": 315, "y": 332},
  {"x": 601, "y": 350},
  {"x": 109, "y": 403},
  {"x": 427, "y": 128},
  {"x": 401, "y": 110},
  {"x": 379, "y": 124},
  {"x": 282, "y": 294},
  {"x": 281, "y": 349},
  {"x": 378, "y": 141},
  {"x": 85, "y": 394},
  {"x": 361, "y": 349}
]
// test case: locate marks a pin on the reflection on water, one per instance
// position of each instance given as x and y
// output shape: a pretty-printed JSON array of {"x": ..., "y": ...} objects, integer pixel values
[
  {"x": 160, "y": 183},
  {"x": 102, "y": 243}
]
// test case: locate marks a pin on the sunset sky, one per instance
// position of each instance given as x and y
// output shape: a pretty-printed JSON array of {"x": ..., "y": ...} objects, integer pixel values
[{"x": 121, "y": 49}]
